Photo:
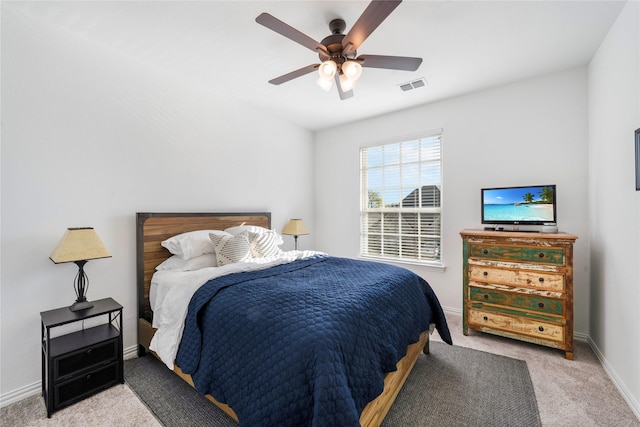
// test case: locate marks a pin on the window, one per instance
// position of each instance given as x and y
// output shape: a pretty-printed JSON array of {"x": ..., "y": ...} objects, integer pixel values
[{"x": 401, "y": 212}]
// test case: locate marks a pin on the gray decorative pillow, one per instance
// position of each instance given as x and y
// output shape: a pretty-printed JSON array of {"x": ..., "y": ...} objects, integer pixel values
[{"x": 231, "y": 249}]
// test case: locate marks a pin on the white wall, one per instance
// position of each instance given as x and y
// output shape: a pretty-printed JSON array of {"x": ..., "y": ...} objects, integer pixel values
[
  {"x": 527, "y": 133},
  {"x": 614, "y": 205},
  {"x": 89, "y": 138}
]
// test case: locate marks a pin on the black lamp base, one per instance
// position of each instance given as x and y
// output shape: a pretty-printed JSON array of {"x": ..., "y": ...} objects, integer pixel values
[
  {"x": 81, "y": 305},
  {"x": 81, "y": 284}
]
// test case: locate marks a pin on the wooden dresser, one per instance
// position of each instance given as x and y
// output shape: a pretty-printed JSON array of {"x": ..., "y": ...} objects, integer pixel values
[{"x": 519, "y": 285}]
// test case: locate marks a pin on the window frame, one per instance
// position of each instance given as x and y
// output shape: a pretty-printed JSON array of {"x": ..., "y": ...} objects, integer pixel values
[{"x": 365, "y": 209}]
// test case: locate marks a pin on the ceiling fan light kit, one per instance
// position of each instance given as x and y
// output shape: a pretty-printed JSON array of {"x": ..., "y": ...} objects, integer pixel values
[
  {"x": 337, "y": 52},
  {"x": 327, "y": 69},
  {"x": 324, "y": 83},
  {"x": 350, "y": 71},
  {"x": 346, "y": 83}
]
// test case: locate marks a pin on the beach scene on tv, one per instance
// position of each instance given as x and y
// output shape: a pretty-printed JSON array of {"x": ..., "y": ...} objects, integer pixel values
[{"x": 518, "y": 204}]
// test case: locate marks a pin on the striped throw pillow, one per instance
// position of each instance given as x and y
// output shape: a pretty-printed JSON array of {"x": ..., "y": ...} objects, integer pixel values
[
  {"x": 264, "y": 244},
  {"x": 230, "y": 249}
]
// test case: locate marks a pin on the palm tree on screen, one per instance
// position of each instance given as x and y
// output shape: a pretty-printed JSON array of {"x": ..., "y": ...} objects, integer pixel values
[{"x": 546, "y": 194}]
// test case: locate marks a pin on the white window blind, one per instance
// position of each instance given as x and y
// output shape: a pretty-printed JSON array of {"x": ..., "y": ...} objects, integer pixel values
[{"x": 401, "y": 197}]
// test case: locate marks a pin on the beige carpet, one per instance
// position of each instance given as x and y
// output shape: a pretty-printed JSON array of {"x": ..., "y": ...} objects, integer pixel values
[
  {"x": 116, "y": 406},
  {"x": 569, "y": 393}
]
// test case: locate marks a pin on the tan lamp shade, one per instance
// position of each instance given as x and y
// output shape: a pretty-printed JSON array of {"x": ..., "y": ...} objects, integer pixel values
[
  {"x": 295, "y": 227},
  {"x": 79, "y": 244}
]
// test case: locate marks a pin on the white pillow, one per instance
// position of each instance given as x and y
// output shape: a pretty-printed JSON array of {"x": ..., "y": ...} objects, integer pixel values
[
  {"x": 264, "y": 244},
  {"x": 191, "y": 244},
  {"x": 175, "y": 263},
  {"x": 231, "y": 249},
  {"x": 254, "y": 229}
]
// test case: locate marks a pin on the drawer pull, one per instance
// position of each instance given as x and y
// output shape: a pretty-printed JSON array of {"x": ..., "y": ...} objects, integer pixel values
[
  {"x": 88, "y": 377},
  {"x": 486, "y": 296},
  {"x": 541, "y": 304},
  {"x": 541, "y": 280},
  {"x": 485, "y": 273},
  {"x": 540, "y": 254},
  {"x": 485, "y": 318},
  {"x": 88, "y": 352},
  {"x": 540, "y": 328},
  {"x": 485, "y": 251}
]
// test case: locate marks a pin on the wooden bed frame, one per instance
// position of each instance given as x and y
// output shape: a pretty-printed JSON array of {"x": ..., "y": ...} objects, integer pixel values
[{"x": 153, "y": 228}]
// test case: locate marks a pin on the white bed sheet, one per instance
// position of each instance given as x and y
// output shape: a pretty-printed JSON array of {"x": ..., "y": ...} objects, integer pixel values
[{"x": 171, "y": 292}]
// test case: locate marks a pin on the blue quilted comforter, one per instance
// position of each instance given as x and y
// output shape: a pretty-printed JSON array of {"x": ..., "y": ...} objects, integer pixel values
[{"x": 305, "y": 343}]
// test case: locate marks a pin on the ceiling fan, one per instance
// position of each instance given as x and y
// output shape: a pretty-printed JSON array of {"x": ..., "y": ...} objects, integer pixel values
[{"x": 337, "y": 52}]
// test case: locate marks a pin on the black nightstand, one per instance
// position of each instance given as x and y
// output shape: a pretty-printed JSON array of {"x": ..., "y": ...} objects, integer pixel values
[{"x": 82, "y": 363}]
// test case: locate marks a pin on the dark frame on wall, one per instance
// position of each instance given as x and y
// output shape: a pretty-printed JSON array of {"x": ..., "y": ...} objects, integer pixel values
[{"x": 637, "y": 159}]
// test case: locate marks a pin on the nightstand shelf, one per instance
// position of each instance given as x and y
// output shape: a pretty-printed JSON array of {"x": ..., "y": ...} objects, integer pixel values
[{"x": 81, "y": 363}]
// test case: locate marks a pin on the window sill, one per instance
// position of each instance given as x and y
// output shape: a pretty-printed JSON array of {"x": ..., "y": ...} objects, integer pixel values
[{"x": 435, "y": 266}]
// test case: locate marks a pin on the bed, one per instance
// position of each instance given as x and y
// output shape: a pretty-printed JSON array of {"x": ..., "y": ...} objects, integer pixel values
[{"x": 154, "y": 228}]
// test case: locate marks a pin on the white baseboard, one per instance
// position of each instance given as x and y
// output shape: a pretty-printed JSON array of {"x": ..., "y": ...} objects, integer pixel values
[
  {"x": 451, "y": 310},
  {"x": 624, "y": 391},
  {"x": 21, "y": 393},
  {"x": 130, "y": 352},
  {"x": 36, "y": 388},
  {"x": 580, "y": 336}
]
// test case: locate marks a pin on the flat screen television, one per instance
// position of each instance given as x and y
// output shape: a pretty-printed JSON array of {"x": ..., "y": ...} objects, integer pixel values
[{"x": 533, "y": 205}]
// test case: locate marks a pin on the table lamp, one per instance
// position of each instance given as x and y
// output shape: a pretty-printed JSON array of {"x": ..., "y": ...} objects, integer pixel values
[
  {"x": 79, "y": 245},
  {"x": 295, "y": 227}
]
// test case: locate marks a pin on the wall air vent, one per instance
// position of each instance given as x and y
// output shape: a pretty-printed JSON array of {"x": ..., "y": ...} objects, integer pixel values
[{"x": 414, "y": 84}]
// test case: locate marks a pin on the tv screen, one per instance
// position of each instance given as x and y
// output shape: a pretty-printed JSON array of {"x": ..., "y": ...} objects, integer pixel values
[{"x": 534, "y": 205}]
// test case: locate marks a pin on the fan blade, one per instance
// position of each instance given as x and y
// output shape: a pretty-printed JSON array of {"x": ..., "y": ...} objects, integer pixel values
[
  {"x": 289, "y": 32},
  {"x": 294, "y": 74},
  {"x": 343, "y": 95},
  {"x": 390, "y": 62},
  {"x": 371, "y": 18}
]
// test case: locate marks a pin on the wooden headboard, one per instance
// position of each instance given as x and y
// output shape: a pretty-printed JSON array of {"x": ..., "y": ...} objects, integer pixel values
[{"x": 153, "y": 228}]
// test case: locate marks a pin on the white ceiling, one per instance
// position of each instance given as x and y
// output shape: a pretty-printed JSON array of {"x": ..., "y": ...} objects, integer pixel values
[{"x": 465, "y": 45}]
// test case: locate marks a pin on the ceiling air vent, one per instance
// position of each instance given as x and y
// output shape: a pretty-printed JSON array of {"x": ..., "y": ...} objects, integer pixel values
[{"x": 413, "y": 84}]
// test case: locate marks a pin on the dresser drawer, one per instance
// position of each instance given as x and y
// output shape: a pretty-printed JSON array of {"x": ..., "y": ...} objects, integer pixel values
[
  {"x": 85, "y": 358},
  {"x": 524, "y": 301},
  {"x": 548, "y": 281},
  {"x": 545, "y": 255},
  {"x": 516, "y": 324},
  {"x": 77, "y": 388}
]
